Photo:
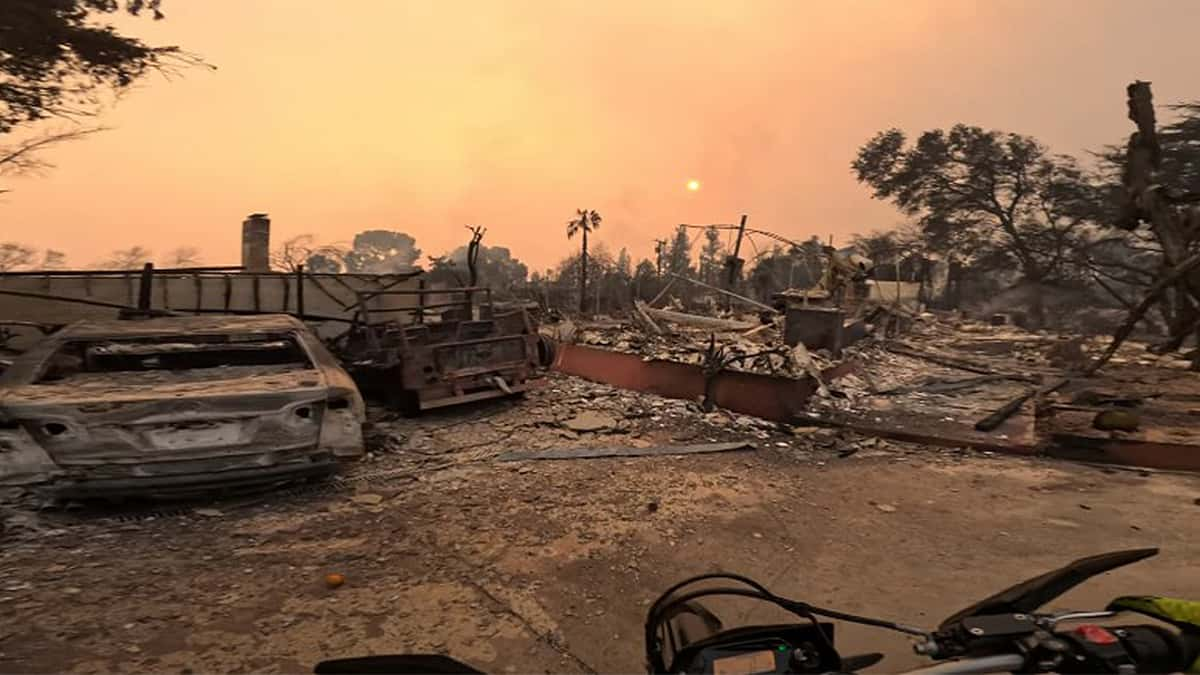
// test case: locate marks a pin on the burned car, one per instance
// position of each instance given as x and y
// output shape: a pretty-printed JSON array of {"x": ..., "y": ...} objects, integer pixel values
[{"x": 176, "y": 404}]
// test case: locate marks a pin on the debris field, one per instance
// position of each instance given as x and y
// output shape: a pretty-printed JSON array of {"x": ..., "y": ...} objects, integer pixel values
[{"x": 450, "y": 537}]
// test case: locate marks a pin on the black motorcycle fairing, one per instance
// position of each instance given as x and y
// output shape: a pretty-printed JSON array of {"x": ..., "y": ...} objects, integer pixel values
[
  {"x": 816, "y": 638},
  {"x": 1031, "y": 594},
  {"x": 395, "y": 663}
]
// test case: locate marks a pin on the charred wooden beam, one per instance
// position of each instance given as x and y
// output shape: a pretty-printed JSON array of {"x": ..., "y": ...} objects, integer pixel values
[
  {"x": 1153, "y": 296},
  {"x": 698, "y": 321}
]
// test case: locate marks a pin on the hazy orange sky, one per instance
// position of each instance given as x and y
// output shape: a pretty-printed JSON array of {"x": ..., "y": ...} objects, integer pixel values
[{"x": 423, "y": 116}]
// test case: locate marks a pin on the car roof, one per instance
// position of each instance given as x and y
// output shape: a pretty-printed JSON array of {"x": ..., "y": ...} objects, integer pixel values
[{"x": 171, "y": 325}]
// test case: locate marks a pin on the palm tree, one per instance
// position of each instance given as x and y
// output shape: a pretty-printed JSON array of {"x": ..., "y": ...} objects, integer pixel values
[{"x": 584, "y": 221}]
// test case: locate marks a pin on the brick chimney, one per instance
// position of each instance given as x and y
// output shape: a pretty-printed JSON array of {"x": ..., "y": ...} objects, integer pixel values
[{"x": 256, "y": 243}]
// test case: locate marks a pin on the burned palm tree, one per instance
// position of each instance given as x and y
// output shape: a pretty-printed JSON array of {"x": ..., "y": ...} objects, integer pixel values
[{"x": 584, "y": 221}]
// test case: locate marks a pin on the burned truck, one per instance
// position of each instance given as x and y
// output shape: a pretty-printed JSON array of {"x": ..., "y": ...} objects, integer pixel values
[
  {"x": 176, "y": 405},
  {"x": 444, "y": 347}
]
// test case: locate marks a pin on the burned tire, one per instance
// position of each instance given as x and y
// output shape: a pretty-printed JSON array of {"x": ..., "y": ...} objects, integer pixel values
[{"x": 545, "y": 351}]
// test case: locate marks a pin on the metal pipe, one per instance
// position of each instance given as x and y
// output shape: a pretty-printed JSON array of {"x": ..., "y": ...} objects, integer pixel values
[{"x": 95, "y": 273}]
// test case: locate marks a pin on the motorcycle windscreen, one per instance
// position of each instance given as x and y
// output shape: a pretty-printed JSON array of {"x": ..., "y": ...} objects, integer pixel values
[{"x": 1031, "y": 594}]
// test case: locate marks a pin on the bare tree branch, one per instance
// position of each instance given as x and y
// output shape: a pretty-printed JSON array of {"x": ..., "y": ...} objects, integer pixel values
[
  {"x": 184, "y": 256},
  {"x": 24, "y": 157},
  {"x": 14, "y": 256},
  {"x": 128, "y": 258}
]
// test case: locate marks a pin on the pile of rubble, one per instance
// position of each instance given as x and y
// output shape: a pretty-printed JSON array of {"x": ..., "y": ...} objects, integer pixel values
[{"x": 757, "y": 350}]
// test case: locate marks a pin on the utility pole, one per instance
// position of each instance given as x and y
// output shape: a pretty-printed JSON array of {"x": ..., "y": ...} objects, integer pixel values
[{"x": 734, "y": 262}]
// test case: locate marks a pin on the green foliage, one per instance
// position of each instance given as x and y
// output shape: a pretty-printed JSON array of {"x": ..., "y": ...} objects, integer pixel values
[
  {"x": 1179, "y": 142},
  {"x": 57, "y": 61},
  {"x": 896, "y": 254},
  {"x": 585, "y": 221},
  {"x": 567, "y": 272},
  {"x": 781, "y": 268},
  {"x": 323, "y": 263},
  {"x": 679, "y": 254},
  {"x": 996, "y": 200},
  {"x": 645, "y": 270},
  {"x": 381, "y": 252},
  {"x": 624, "y": 264},
  {"x": 712, "y": 257},
  {"x": 495, "y": 266}
]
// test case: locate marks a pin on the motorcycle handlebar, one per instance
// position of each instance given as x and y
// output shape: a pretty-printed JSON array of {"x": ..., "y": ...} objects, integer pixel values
[
  {"x": 997, "y": 663},
  {"x": 1155, "y": 649},
  {"x": 1152, "y": 649}
]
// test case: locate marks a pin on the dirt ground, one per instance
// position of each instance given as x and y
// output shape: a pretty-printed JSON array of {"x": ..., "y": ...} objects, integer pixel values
[{"x": 548, "y": 566}]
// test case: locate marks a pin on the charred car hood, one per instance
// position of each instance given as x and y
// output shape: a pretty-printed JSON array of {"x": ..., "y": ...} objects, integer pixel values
[{"x": 125, "y": 389}]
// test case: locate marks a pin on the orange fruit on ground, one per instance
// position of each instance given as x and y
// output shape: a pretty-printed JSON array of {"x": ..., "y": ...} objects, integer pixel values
[{"x": 334, "y": 580}]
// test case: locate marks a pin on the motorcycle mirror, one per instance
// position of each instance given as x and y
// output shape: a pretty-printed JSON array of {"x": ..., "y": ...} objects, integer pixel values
[
  {"x": 395, "y": 663},
  {"x": 1031, "y": 594}
]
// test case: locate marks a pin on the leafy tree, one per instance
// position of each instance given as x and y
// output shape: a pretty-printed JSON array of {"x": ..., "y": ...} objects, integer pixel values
[
  {"x": 442, "y": 270},
  {"x": 327, "y": 262},
  {"x": 584, "y": 222},
  {"x": 712, "y": 256},
  {"x": 624, "y": 264},
  {"x": 645, "y": 270},
  {"x": 1179, "y": 145},
  {"x": 612, "y": 277},
  {"x": 998, "y": 200},
  {"x": 679, "y": 255},
  {"x": 381, "y": 252},
  {"x": 57, "y": 60},
  {"x": 1126, "y": 268},
  {"x": 301, "y": 249},
  {"x": 780, "y": 268},
  {"x": 14, "y": 256},
  {"x": 890, "y": 249},
  {"x": 1156, "y": 192},
  {"x": 495, "y": 266},
  {"x": 881, "y": 246}
]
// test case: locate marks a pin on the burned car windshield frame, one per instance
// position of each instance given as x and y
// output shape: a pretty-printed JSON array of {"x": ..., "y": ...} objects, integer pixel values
[{"x": 171, "y": 352}]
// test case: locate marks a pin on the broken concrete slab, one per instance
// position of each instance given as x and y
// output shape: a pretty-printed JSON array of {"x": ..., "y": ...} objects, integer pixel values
[
  {"x": 590, "y": 420},
  {"x": 592, "y": 453}
]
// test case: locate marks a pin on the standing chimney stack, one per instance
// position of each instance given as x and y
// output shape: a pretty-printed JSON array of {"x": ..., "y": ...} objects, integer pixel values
[{"x": 256, "y": 243}]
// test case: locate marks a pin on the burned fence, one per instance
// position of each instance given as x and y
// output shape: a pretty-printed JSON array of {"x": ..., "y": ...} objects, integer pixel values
[{"x": 62, "y": 297}]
